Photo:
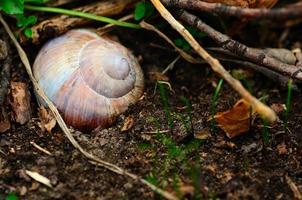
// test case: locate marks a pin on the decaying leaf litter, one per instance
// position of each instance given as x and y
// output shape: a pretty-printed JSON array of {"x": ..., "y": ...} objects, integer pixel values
[{"x": 165, "y": 122}]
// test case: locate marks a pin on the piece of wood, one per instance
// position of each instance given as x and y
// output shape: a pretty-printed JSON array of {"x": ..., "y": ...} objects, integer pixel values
[{"x": 62, "y": 23}]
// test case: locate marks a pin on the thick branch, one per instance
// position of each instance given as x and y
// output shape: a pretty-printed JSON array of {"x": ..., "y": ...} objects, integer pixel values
[
  {"x": 291, "y": 12},
  {"x": 255, "y": 55}
]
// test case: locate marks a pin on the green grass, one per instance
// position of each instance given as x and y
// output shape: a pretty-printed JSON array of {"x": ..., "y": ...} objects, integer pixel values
[
  {"x": 164, "y": 98},
  {"x": 214, "y": 104},
  {"x": 169, "y": 158},
  {"x": 265, "y": 132},
  {"x": 288, "y": 101},
  {"x": 82, "y": 14}
]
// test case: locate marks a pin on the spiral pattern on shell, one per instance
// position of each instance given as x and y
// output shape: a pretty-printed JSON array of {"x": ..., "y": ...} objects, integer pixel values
[{"x": 90, "y": 79}]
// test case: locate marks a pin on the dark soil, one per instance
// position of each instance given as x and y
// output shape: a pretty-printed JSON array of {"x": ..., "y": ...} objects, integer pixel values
[{"x": 247, "y": 167}]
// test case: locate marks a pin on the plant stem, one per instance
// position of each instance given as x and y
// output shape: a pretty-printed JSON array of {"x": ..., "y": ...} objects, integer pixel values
[{"x": 83, "y": 15}]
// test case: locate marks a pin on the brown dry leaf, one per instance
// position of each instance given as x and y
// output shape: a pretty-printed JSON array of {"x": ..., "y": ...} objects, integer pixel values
[
  {"x": 246, "y": 3},
  {"x": 128, "y": 123},
  {"x": 20, "y": 102},
  {"x": 236, "y": 120},
  {"x": 282, "y": 149},
  {"x": 48, "y": 121}
]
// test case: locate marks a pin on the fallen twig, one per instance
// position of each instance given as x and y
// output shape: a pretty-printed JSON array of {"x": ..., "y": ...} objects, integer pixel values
[
  {"x": 293, "y": 187},
  {"x": 259, "y": 107},
  {"x": 293, "y": 11},
  {"x": 255, "y": 55},
  {"x": 40, "y": 148},
  {"x": 183, "y": 54},
  {"x": 65, "y": 129}
]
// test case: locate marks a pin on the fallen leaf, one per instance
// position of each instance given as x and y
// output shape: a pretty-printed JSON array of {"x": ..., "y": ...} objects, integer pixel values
[
  {"x": 236, "y": 120},
  {"x": 128, "y": 123},
  {"x": 48, "y": 121},
  {"x": 282, "y": 149},
  {"x": 20, "y": 102},
  {"x": 38, "y": 177}
]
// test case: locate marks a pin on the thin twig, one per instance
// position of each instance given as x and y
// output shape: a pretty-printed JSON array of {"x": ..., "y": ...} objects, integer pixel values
[
  {"x": 258, "y": 106},
  {"x": 183, "y": 54},
  {"x": 40, "y": 148},
  {"x": 255, "y": 55},
  {"x": 105, "y": 29},
  {"x": 293, "y": 187},
  {"x": 40, "y": 92},
  {"x": 291, "y": 12}
]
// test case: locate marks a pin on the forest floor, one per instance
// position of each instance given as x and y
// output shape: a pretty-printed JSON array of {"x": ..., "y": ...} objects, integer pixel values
[{"x": 193, "y": 159}]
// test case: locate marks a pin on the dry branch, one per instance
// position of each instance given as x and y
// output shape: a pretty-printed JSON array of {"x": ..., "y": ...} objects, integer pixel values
[
  {"x": 293, "y": 11},
  {"x": 62, "y": 23},
  {"x": 255, "y": 55},
  {"x": 259, "y": 107}
]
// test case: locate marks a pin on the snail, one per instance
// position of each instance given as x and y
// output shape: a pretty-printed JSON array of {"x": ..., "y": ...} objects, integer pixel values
[{"x": 90, "y": 79}]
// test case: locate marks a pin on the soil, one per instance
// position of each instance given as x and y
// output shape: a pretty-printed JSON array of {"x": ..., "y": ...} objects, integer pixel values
[{"x": 252, "y": 166}]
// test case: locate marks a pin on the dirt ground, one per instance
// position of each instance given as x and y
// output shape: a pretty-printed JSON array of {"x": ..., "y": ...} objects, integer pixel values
[{"x": 251, "y": 166}]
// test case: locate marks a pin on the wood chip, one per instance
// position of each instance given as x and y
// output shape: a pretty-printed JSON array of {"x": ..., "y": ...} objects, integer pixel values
[
  {"x": 128, "y": 123},
  {"x": 20, "y": 102},
  {"x": 38, "y": 177}
]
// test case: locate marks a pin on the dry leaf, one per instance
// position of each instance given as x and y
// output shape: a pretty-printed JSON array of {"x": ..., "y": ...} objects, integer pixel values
[
  {"x": 128, "y": 123},
  {"x": 48, "y": 121},
  {"x": 38, "y": 177},
  {"x": 236, "y": 120},
  {"x": 20, "y": 102},
  {"x": 282, "y": 149}
]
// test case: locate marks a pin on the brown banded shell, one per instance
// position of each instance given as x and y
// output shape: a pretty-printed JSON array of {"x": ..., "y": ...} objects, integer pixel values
[{"x": 90, "y": 79}]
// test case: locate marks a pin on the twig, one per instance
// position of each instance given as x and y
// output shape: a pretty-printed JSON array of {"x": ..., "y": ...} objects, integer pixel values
[
  {"x": 291, "y": 12},
  {"x": 226, "y": 56},
  {"x": 40, "y": 92},
  {"x": 104, "y": 29},
  {"x": 40, "y": 148},
  {"x": 183, "y": 54},
  {"x": 293, "y": 187},
  {"x": 278, "y": 78},
  {"x": 62, "y": 23},
  {"x": 255, "y": 55},
  {"x": 171, "y": 65},
  {"x": 259, "y": 107}
]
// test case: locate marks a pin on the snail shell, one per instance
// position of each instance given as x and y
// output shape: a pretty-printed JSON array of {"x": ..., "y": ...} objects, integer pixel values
[{"x": 90, "y": 79}]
